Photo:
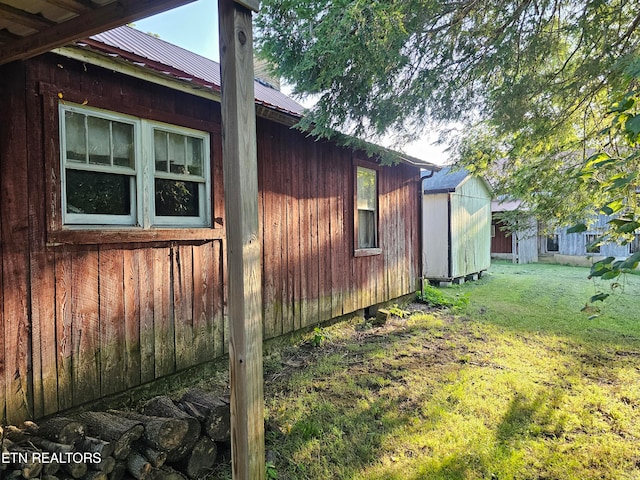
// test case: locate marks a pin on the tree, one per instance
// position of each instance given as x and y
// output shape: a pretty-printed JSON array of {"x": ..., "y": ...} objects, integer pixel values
[{"x": 531, "y": 81}]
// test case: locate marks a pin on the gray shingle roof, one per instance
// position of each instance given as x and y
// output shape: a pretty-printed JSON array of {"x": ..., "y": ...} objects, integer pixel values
[{"x": 446, "y": 180}]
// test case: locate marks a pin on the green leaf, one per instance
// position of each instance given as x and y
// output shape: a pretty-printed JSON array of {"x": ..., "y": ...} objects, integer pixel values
[
  {"x": 611, "y": 275},
  {"x": 612, "y": 207},
  {"x": 598, "y": 160},
  {"x": 625, "y": 104},
  {"x": 629, "y": 227},
  {"x": 620, "y": 181},
  {"x": 632, "y": 125},
  {"x": 599, "y": 297},
  {"x": 578, "y": 228},
  {"x": 631, "y": 262}
]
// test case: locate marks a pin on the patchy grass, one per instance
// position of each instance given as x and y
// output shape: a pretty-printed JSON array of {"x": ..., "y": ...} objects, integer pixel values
[{"x": 519, "y": 385}]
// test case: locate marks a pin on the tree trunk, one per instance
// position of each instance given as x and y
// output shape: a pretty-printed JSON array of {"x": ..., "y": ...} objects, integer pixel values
[
  {"x": 59, "y": 429},
  {"x": 160, "y": 433},
  {"x": 210, "y": 410},
  {"x": 138, "y": 466},
  {"x": 155, "y": 457},
  {"x": 163, "y": 406},
  {"x": 166, "y": 473},
  {"x": 75, "y": 469},
  {"x": 200, "y": 460},
  {"x": 122, "y": 432}
]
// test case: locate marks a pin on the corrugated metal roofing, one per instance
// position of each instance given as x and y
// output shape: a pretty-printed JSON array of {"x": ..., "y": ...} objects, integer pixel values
[
  {"x": 159, "y": 55},
  {"x": 446, "y": 180}
]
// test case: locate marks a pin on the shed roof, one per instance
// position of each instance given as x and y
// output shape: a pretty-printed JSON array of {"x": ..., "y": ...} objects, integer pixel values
[{"x": 446, "y": 180}]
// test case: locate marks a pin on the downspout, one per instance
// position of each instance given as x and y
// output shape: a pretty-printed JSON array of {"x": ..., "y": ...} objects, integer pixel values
[
  {"x": 449, "y": 250},
  {"x": 421, "y": 222}
]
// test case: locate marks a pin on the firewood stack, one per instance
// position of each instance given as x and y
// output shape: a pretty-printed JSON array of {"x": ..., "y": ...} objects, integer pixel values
[{"x": 165, "y": 441}]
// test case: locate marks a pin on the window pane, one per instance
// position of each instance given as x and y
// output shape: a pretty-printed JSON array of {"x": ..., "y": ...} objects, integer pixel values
[
  {"x": 367, "y": 190},
  {"x": 194, "y": 156},
  {"x": 177, "y": 160},
  {"x": 160, "y": 147},
  {"x": 98, "y": 193},
  {"x": 177, "y": 198},
  {"x": 75, "y": 137},
  {"x": 122, "y": 144},
  {"x": 591, "y": 239},
  {"x": 367, "y": 229},
  {"x": 99, "y": 141}
]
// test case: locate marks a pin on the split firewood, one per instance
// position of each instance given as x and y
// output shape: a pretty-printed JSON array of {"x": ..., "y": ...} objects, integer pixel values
[
  {"x": 155, "y": 457},
  {"x": 166, "y": 473},
  {"x": 163, "y": 406},
  {"x": 106, "y": 465},
  {"x": 200, "y": 460},
  {"x": 13, "y": 475},
  {"x": 59, "y": 429},
  {"x": 161, "y": 433},
  {"x": 138, "y": 466},
  {"x": 95, "y": 445},
  {"x": 23, "y": 458},
  {"x": 120, "y": 431},
  {"x": 210, "y": 410},
  {"x": 95, "y": 475},
  {"x": 118, "y": 471},
  {"x": 75, "y": 469}
]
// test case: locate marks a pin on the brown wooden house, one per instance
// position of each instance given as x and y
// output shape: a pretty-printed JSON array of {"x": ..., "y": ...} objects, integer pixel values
[{"x": 112, "y": 219}]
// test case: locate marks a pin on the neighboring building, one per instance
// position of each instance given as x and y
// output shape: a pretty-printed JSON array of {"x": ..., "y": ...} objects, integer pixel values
[
  {"x": 519, "y": 244},
  {"x": 577, "y": 249},
  {"x": 456, "y": 230},
  {"x": 112, "y": 221}
]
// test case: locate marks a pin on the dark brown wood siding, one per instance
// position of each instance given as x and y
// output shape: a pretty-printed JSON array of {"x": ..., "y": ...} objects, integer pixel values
[
  {"x": 87, "y": 314},
  {"x": 310, "y": 272},
  {"x": 501, "y": 241}
]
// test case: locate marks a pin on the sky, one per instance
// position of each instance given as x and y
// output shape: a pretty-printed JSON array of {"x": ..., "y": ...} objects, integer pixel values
[{"x": 195, "y": 27}]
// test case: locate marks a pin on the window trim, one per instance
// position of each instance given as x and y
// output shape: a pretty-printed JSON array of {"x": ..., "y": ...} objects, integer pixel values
[
  {"x": 359, "y": 251},
  {"x": 143, "y": 207}
]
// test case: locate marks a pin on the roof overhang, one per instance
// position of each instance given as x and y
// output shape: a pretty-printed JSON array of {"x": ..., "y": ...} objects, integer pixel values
[{"x": 32, "y": 27}]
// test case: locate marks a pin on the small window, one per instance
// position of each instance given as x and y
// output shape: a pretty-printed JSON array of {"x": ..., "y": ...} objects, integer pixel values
[
  {"x": 367, "y": 208},
  {"x": 179, "y": 184},
  {"x": 634, "y": 246},
  {"x": 591, "y": 246},
  {"x": 119, "y": 170},
  {"x": 553, "y": 245},
  {"x": 99, "y": 169}
]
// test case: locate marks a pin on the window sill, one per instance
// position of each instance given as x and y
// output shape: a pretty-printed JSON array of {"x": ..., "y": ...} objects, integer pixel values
[
  {"x": 367, "y": 252},
  {"x": 124, "y": 235}
]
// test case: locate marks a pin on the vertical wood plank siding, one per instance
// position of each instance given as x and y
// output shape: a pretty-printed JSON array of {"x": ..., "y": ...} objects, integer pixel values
[
  {"x": 310, "y": 272},
  {"x": 79, "y": 321}
]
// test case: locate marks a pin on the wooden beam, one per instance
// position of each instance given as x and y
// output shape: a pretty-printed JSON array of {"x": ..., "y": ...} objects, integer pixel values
[
  {"x": 250, "y": 4},
  {"x": 37, "y": 22},
  {"x": 243, "y": 241},
  {"x": 95, "y": 21},
  {"x": 7, "y": 36},
  {"x": 75, "y": 6}
]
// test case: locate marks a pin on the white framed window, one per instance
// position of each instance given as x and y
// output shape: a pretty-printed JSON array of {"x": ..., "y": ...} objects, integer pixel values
[
  {"x": 367, "y": 208},
  {"x": 119, "y": 170}
]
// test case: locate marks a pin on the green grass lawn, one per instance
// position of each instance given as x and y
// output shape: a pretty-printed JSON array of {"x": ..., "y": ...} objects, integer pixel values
[{"x": 518, "y": 385}]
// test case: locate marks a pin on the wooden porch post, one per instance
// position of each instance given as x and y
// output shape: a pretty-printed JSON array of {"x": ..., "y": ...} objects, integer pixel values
[{"x": 243, "y": 242}]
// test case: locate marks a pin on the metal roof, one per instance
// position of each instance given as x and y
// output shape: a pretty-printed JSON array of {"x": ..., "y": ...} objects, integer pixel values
[{"x": 156, "y": 54}]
